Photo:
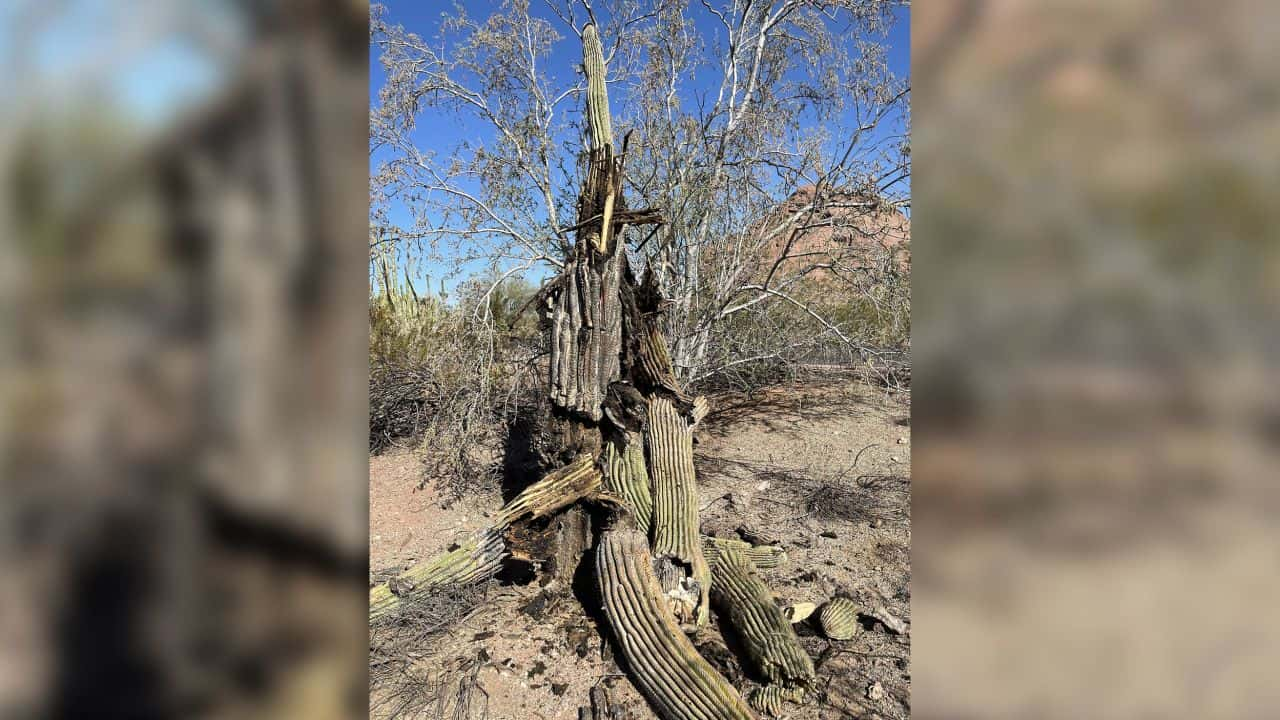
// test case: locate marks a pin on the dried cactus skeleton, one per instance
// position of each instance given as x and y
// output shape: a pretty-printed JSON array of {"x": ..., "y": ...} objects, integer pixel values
[{"x": 630, "y": 424}]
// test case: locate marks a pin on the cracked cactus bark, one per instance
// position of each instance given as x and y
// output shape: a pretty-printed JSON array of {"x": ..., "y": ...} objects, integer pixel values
[
  {"x": 771, "y": 644},
  {"x": 666, "y": 667}
]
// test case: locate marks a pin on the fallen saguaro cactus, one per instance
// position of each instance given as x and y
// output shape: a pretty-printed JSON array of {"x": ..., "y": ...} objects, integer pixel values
[
  {"x": 662, "y": 661},
  {"x": 839, "y": 619},
  {"x": 771, "y": 645}
]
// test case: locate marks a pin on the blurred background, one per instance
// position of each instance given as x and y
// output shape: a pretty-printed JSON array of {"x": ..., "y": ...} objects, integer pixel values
[
  {"x": 1095, "y": 347},
  {"x": 183, "y": 358},
  {"x": 183, "y": 196}
]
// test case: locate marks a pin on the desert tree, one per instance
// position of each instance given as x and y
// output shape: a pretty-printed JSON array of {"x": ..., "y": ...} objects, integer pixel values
[{"x": 727, "y": 108}]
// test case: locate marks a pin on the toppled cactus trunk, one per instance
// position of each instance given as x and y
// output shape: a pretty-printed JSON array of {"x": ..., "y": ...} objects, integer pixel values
[
  {"x": 476, "y": 560},
  {"x": 663, "y": 662},
  {"x": 772, "y": 646}
]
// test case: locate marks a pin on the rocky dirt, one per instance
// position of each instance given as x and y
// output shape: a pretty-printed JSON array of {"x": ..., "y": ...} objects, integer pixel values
[{"x": 821, "y": 467}]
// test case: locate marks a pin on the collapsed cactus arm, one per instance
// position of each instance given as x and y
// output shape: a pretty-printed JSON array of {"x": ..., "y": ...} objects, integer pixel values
[
  {"x": 477, "y": 559},
  {"x": 679, "y": 683},
  {"x": 839, "y": 619},
  {"x": 556, "y": 490},
  {"x": 677, "y": 548},
  {"x": 481, "y": 556},
  {"x": 772, "y": 645},
  {"x": 764, "y": 557}
]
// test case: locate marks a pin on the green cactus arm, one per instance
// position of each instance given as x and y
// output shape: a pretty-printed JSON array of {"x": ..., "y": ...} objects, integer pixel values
[
  {"x": 626, "y": 476},
  {"x": 476, "y": 560},
  {"x": 771, "y": 644},
  {"x": 677, "y": 548},
  {"x": 598, "y": 119},
  {"x": 679, "y": 683},
  {"x": 559, "y": 488},
  {"x": 481, "y": 556}
]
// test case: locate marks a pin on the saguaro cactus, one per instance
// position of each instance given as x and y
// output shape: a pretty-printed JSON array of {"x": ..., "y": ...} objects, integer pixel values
[
  {"x": 615, "y": 396},
  {"x": 682, "y": 569}
]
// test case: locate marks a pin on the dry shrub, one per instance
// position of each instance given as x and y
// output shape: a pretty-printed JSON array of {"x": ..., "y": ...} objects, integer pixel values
[
  {"x": 446, "y": 378},
  {"x": 407, "y": 677}
]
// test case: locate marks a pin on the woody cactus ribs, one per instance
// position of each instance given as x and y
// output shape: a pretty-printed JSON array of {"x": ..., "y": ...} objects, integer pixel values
[{"x": 624, "y": 415}]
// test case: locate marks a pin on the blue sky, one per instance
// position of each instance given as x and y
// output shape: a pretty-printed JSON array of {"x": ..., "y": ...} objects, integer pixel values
[{"x": 442, "y": 132}]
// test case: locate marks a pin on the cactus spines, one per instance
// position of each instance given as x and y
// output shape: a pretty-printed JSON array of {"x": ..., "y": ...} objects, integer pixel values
[
  {"x": 679, "y": 683},
  {"x": 677, "y": 548},
  {"x": 769, "y": 698},
  {"x": 601, "y": 130},
  {"x": 771, "y": 644},
  {"x": 839, "y": 619}
]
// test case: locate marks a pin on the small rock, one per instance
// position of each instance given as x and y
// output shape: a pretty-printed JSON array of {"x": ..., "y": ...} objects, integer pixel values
[
  {"x": 875, "y": 691},
  {"x": 877, "y": 523},
  {"x": 896, "y": 459},
  {"x": 828, "y": 534},
  {"x": 559, "y": 689},
  {"x": 902, "y": 441},
  {"x": 763, "y": 486}
]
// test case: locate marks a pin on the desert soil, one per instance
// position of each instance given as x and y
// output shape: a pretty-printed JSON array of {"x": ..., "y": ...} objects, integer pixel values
[{"x": 821, "y": 467}]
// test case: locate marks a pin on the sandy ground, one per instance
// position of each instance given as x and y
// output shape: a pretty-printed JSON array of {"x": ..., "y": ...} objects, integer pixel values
[{"x": 820, "y": 467}]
